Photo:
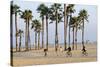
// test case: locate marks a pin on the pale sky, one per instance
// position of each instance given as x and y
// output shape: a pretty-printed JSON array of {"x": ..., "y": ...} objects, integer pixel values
[{"x": 90, "y": 27}]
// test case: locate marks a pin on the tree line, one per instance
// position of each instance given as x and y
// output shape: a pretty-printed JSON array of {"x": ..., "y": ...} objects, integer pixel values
[{"x": 55, "y": 14}]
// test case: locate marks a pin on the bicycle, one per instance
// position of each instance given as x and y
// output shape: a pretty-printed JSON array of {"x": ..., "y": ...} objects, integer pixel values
[
  {"x": 68, "y": 54},
  {"x": 84, "y": 53}
]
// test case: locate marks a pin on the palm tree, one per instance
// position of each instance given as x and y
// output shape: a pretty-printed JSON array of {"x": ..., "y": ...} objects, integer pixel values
[
  {"x": 33, "y": 26},
  {"x": 41, "y": 10},
  {"x": 44, "y": 12},
  {"x": 38, "y": 31},
  {"x": 65, "y": 27},
  {"x": 15, "y": 11},
  {"x": 77, "y": 26},
  {"x": 70, "y": 10},
  {"x": 20, "y": 32},
  {"x": 34, "y": 23},
  {"x": 83, "y": 14},
  {"x": 74, "y": 24},
  {"x": 37, "y": 28},
  {"x": 27, "y": 16},
  {"x": 55, "y": 15},
  {"x": 11, "y": 31}
]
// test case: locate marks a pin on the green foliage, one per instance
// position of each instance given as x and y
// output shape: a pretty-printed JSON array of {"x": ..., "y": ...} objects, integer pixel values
[
  {"x": 36, "y": 25},
  {"x": 70, "y": 9},
  {"x": 83, "y": 15},
  {"x": 43, "y": 10},
  {"x": 27, "y": 15},
  {"x": 15, "y": 9},
  {"x": 74, "y": 21},
  {"x": 55, "y": 11}
]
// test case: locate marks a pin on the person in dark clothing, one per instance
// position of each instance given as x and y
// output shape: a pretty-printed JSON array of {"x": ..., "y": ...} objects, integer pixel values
[
  {"x": 56, "y": 50},
  {"x": 84, "y": 50},
  {"x": 69, "y": 53},
  {"x": 69, "y": 49},
  {"x": 45, "y": 51}
]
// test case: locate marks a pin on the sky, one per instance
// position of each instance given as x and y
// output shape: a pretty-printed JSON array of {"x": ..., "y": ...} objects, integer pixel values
[{"x": 90, "y": 27}]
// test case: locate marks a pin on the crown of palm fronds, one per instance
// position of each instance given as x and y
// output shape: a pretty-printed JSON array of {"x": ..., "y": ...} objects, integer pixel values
[
  {"x": 70, "y": 9},
  {"x": 54, "y": 11},
  {"x": 15, "y": 8},
  {"x": 27, "y": 15},
  {"x": 43, "y": 10},
  {"x": 83, "y": 14},
  {"x": 36, "y": 25}
]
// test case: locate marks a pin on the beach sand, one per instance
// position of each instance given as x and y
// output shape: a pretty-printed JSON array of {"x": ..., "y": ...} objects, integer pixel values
[{"x": 36, "y": 57}]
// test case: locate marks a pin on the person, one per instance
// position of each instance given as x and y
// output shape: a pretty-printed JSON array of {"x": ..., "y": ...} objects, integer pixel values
[
  {"x": 69, "y": 49},
  {"x": 61, "y": 49},
  {"x": 84, "y": 50},
  {"x": 69, "y": 52},
  {"x": 45, "y": 51},
  {"x": 57, "y": 50}
]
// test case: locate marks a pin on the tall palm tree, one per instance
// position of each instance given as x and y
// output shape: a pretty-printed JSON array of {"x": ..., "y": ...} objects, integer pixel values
[
  {"x": 74, "y": 24},
  {"x": 38, "y": 31},
  {"x": 56, "y": 16},
  {"x": 15, "y": 12},
  {"x": 34, "y": 23},
  {"x": 65, "y": 27},
  {"x": 44, "y": 12},
  {"x": 27, "y": 16},
  {"x": 70, "y": 10},
  {"x": 41, "y": 10},
  {"x": 33, "y": 26},
  {"x": 73, "y": 27},
  {"x": 37, "y": 28},
  {"x": 11, "y": 31},
  {"x": 77, "y": 26},
  {"x": 83, "y": 14},
  {"x": 20, "y": 32}
]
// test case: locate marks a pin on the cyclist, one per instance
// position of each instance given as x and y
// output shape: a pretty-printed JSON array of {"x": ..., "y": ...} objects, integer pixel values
[
  {"x": 45, "y": 51},
  {"x": 69, "y": 52},
  {"x": 69, "y": 49},
  {"x": 84, "y": 50},
  {"x": 57, "y": 50}
]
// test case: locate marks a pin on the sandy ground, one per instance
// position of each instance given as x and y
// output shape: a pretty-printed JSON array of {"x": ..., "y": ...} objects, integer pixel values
[{"x": 36, "y": 57}]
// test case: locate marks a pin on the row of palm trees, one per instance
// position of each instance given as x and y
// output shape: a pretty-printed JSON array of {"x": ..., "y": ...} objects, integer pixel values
[{"x": 55, "y": 14}]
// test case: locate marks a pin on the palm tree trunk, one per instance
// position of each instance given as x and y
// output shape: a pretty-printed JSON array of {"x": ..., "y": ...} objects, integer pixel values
[
  {"x": 42, "y": 32},
  {"x": 29, "y": 35},
  {"x": 38, "y": 40},
  {"x": 29, "y": 40},
  {"x": 20, "y": 43},
  {"x": 11, "y": 32},
  {"x": 69, "y": 31},
  {"x": 33, "y": 43},
  {"x": 69, "y": 36},
  {"x": 47, "y": 32},
  {"x": 35, "y": 40},
  {"x": 76, "y": 38},
  {"x": 26, "y": 36},
  {"x": 83, "y": 34},
  {"x": 73, "y": 39},
  {"x": 65, "y": 29},
  {"x": 16, "y": 30},
  {"x": 56, "y": 31}
]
